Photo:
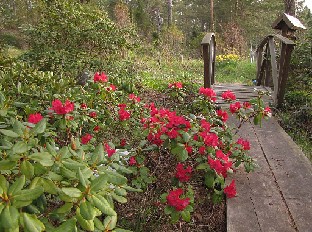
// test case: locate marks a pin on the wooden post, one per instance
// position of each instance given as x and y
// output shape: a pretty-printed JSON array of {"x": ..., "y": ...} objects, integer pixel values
[
  {"x": 207, "y": 81},
  {"x": 274, "y": 67},
  {"x": 267, "y": 67}
]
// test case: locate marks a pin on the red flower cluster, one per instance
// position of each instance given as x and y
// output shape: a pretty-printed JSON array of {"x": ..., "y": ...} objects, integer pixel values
[
  {"x": 83, "y": 106},
  {"x": 177, "y": 85},
  {"x": 134, "y": 98},
  {"x": 111, "y": 88},
  {"x": 100, "y": 77},
  {"x": 96, "y": 129},
  {"x": 132, "y": 161},
  {"x": 245, "y": 144},
  {"x": 174, "y": 200},
  {"x": 59, "y": 108},
  {"x": 221, "y": 166},
  {"x": 228, "y": 96},
  {"x": 267, "y": 112},
  {"x": 182, "y": 174},
  {"x": 166, "y": 122},
  {"x": 234, "y": 108},
  {"x": 92, "y": 114},
  {"x": 109, "y": 150},
  {"x": 123, "y": 113},
  {"x": 209, "y": 93},
  {"x": 246, "y": 105},
  {"x": 86, "y": 138},
  {"x": 223, "y": 115},
  {"x": 35, "y": 118},
  {"x": 230, "y": 190}
]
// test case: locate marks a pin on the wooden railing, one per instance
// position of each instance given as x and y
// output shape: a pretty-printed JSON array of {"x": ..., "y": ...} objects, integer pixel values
[
  {"x": 272, "y": 67},
  {"x": 209, "y": 54}
]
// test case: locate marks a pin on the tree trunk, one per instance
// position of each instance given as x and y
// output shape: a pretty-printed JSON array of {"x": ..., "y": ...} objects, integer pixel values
[
  {"x": 211, "y": 16},
  {"x": 169, "y": 12},
  {"x": 290, "y": 7}
]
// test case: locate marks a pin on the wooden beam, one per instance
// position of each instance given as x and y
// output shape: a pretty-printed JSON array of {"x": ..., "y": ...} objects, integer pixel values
[
  {"x": 207, "y": 81},
  {"x": 274, "y": 67}
]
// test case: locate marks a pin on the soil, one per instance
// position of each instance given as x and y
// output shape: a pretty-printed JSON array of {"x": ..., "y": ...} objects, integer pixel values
[{"x": 144, "y": 212}]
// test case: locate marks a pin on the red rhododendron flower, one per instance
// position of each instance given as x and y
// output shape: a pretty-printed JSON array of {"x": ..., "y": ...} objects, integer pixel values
[
  {"x": 111, "y": 88},
  {"x": 100, "y": 77},
  {"x": 223, "y": 115},
  {"x": 35, "y": 118},
  {"x": 230, "y": 190},
  {"x": 86, "y": 138},
  {"x": 228, "y": 96},
  {"x": 245, "y": 144},
  {"x": 246, "y": 105},
  {"x": 83, "y": 106},
  {"x": 182, "y": 174},
  {"x": 96, "y": 129},
  {"x": 177, "y": 85},
  {"x": 134, "y": 98},
  {"x": 174, "y": 200},
  {"x": 189, "y": 149},
  {"x": 93, "y": 114},
  {"x": 172, "y": 134},
  {"x": 59, "y": 108},
  {"x": 69, "y": 117},
  {"x": 123, "y": 113},
  {"x": 267, "y": 112},
  {"x": 221, "y": 167},
  {"x": 202, "y": 150},
  {"x": 210, "y": 139},
  {"x": 221, "y": 155},
  {"x": 109, "y": 150},
  {"x": 123, "y": 143},
  {"x": 208, "y": 92},
  {"x": 235, "y": 107},
  {"x": 205, "y": 125},
  {"x": 132, "y": 161}
]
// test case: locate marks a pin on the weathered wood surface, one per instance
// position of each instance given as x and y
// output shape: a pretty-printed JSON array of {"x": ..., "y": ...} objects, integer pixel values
[
  {"x": 242, "y": 92},
  {"x": 278, "y": 195}
]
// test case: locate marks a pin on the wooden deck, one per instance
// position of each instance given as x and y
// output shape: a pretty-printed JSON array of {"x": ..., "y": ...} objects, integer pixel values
[{"x": 242, "y": 92}]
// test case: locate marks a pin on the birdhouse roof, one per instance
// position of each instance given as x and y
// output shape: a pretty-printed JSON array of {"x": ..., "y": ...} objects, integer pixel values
[{"x": 291, "y": 22}]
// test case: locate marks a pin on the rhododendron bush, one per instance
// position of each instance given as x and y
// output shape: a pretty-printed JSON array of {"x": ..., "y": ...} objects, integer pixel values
[{"x": 64, "y": 167}]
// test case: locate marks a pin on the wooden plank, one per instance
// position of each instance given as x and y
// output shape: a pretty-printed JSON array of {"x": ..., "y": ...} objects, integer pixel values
[
  {"x": 268, "y": 77},
  {"x": 207, "y": 81},
  {"x": 274, "y": 67},
  {"x": 259, "y": 64}
]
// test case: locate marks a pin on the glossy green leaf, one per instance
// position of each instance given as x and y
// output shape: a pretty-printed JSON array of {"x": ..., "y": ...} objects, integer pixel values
[
  {"x": 20, "y": 147},
  {"x": 115, "y": 178},
  {"x": 87, "y": 210},
  {"x": 120, "y": 191},
  {"x": 72, "y": 192},
  {"x": 65, "y": 208},
  {"x": 186, "y": 215},
  {"x": 99, "y": 183},
  {"x": 102, "y": 204},
  {"x": 82, "y": 179},
  {"x": 17, "y": 185},
  {"x": 67, "y": 226},
  {"x": 209, "y": 180},
  {"x": 85, "y": 224},
  {"x": 7, "y": 164},
  {"x": 118, "y": 198},
  {"x": 40, "y": 127},
  {"x": 49, "y": 186},
  {"x": 32, "y": 223},
  {"x": 3, "y": 185},
  {"x": 9, "y": 133},
  {"x": 9, "y": 217},
  {"x": 29, "y": 194},
  {"x": 44, "y": 158},
  {"x": 27, "y": 169},
  {"x": 110, "y": 222},
  {"x": 72, "y": 164}
]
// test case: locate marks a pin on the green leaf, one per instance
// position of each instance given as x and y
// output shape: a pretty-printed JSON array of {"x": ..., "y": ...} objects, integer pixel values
[
  {"x": 175, "y": 216},
  {"x": 180, "y": 152},
  {"x": 102, "y": 204},
  {"x": 202, "y": 166},
  {"x": 115, "y": 178},
  {"x": 18, "y": 127},
  {"x": 7, "y": 164},
  {"x": 29, "y": 194},
  {"x": 110, "y": 222},
  {"x": 257, "y": 119},
  {"x": 118, "y": 198},
  {"x": 9, "y": 133},
  {"x": 209, "y": 180},
  {"x": 131, "y": 189},
  {"x": 20, "y": 147},
  {"x": 186, "y": 137},
  {"x": 3, "y": 184},
  {"x": 32, "y": 223},
  {"x": 87, "y": 210},
  {"x": 73, "y": 165},
  {"x": 168, "y": 210},
  {"x": 17, "y": 185},
  {"x": 120, "y": 191},
  {"x": 98, "y": 224},
  {"x": 121, "y": 230},
  {"x": 9, "y": 217},
  {"x": 51, "y": 149},
  {"x": 49, "y": 186},
  {"x": 27, "y": 169},
  {"x": 44, "y": 158},
  {"x": 82, "y": 179},
  {"x": 98, "y": 183},
  {"x": 85, "y": 224},
  {"x": 40, "y": 127},
  {"x": 67, "y": 226},
  {"x": 65, "y": 208},
  {"x": 67, "y": 173},
  {"x": 186, "y": 215},
  {"x": 54, "y": 176},
  {"x": 72, "y": 192}
]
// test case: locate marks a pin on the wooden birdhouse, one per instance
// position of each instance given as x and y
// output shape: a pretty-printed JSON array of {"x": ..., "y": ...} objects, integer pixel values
[{"x": 288, "y": 24}]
